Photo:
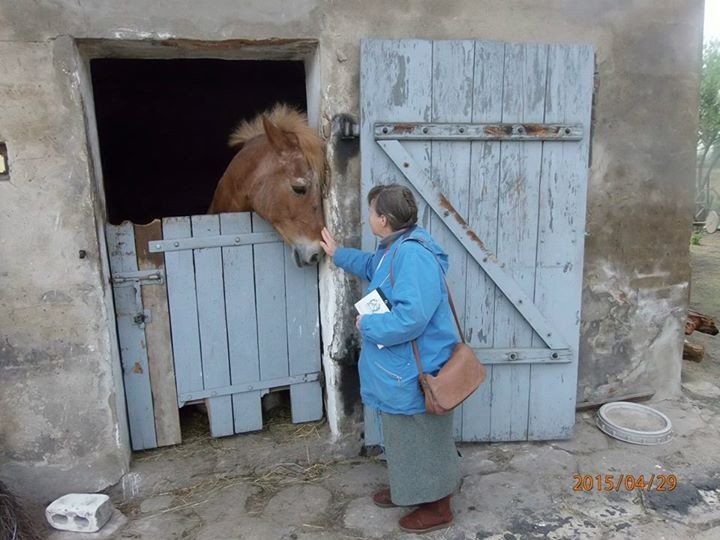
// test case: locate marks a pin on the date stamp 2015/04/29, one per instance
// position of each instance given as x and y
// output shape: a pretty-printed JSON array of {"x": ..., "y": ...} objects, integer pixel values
[{"x": 625, "y": 482}]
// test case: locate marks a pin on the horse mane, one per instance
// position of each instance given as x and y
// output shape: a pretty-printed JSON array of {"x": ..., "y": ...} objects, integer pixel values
[{"x": 289, "y": 120}]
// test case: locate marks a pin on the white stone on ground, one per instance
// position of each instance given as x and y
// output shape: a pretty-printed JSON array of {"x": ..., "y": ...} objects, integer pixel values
[
  {"x": 109, "y": 531},
  {"x": 79, "y": 512}
]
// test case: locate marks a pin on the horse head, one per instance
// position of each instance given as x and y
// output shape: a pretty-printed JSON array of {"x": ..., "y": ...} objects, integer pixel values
[{"x": 278, "y": 174}]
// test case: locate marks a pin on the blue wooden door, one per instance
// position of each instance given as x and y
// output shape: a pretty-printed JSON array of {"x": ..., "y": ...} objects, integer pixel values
[
  {"x": 494, "y": 139},
  {"x": 241, "y": 320}
]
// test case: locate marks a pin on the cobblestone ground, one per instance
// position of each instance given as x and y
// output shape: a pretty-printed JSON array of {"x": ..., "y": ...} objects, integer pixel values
[
  {"x": 291, "y": 482},
  {"x": 217, "y": 490}
]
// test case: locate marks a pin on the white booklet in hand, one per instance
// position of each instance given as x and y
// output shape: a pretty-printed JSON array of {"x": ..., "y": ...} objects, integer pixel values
[{"x": 373, "y": 302}]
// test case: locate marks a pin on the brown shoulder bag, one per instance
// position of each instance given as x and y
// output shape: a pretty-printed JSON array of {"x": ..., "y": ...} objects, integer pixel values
[{"x": 458, "y": 378}]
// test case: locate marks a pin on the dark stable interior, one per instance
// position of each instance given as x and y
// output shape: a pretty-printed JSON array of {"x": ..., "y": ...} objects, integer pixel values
[{"x": 163, "y": 127}]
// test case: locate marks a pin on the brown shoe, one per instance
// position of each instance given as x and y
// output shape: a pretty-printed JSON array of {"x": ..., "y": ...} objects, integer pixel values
[
  {"x": 428, "y": 517},
  {"x": 382, "y": 498}
]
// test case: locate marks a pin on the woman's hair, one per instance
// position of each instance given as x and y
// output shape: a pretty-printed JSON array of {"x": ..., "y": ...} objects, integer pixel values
[{"x": 396, "y": 203}]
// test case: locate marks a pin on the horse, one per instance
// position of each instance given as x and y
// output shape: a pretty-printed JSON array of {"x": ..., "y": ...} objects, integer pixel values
[{"x": 278, "y": 172}]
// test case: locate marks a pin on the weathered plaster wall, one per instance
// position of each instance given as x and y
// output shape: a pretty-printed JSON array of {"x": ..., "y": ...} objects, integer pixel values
[
  {"x": 61, "y": 419},
  {"x": 62, "y": 424}
]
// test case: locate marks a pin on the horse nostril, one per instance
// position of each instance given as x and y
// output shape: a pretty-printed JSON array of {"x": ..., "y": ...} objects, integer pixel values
[{"x": 315, "y": 258}]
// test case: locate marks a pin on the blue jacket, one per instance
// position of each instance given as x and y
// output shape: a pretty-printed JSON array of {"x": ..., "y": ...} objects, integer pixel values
[{"x": 420, "y": 310}]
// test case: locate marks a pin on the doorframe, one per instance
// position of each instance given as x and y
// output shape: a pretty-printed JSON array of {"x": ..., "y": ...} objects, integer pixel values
[{"x": 300, "y": 49}]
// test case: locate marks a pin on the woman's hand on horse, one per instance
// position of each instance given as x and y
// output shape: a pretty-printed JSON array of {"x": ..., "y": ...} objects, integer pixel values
[{"x": 328, "y": 242}]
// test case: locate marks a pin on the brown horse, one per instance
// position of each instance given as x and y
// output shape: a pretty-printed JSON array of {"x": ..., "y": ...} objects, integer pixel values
[{"x": 278, "y": 172}]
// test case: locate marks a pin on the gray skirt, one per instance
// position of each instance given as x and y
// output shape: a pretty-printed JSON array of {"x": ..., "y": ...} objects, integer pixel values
[{"x": 423, "y": 463}]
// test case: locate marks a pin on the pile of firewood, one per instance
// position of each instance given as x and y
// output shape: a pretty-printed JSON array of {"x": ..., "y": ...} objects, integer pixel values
[{"x": 701, "y": 323}]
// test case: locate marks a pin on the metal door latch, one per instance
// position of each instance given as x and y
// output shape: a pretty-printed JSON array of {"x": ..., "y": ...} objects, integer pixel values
[
  {"x": 345, "y": 127},
  {"x": 142, "y": 277}
]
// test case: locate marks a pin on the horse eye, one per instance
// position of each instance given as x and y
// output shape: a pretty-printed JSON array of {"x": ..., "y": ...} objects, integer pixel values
[{"x": 300, "y": 190}]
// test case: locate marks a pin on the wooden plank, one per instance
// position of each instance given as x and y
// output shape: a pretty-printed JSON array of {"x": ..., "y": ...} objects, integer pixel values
[
  {"x": 373, "y": 426},
  {"x": 558, "y": 280},
  {"x": 157, "y": 335},
  {"x": 523, "y": 101},
  {"x": 452, "y": 101},
  {"x": 241, "y": 317},
  {"x": 265, "y": 384},
  {"x": 212, "y": 324},
  {"x": 700, "y": 322},
  {"x": 222, "y": 240},
  {"x": 693, "y": 352},
  {"x": 470, "y": 131},
  {"x": 306, "y": 402},
  {"x": 395, "y": 84},
  {"x": 269, "y": 267},
  {"x": 182, "y": 302},
  {"x": 523, "y": 356},
  {"x": 303, "y": 333},
  {"x": 482, "y": 218},
  {"x": 131, "y": 337}
]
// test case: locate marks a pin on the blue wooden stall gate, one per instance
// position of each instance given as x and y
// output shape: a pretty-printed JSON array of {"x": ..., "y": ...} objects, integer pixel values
[
  {"x": 212, "y": 308},
  {"x": 494, "y": 139}
]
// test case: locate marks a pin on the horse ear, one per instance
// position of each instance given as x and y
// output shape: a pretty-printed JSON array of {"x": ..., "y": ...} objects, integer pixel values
[{"x": 278, "y": 140}]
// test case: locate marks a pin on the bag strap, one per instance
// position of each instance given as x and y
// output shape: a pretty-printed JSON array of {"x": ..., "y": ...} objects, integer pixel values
[
  {"x": 415, "y": 349},
  {"x": 447, "y": 288}
]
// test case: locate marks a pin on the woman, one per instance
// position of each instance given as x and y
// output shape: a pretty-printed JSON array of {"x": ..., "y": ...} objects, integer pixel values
[{"x": 423, "y": 463}]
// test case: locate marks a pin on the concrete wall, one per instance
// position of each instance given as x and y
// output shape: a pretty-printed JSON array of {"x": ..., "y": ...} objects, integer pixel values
[{"x": 63, "y": 422}]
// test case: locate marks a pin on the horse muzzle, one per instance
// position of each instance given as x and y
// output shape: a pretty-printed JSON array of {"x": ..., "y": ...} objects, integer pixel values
[{"x": 307, "y": 254}]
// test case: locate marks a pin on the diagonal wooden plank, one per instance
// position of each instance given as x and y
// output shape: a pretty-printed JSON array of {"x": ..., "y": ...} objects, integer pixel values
[{"x": 456, "y": 223}]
